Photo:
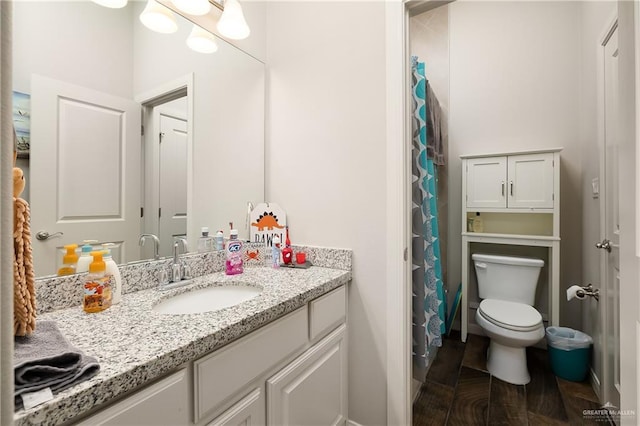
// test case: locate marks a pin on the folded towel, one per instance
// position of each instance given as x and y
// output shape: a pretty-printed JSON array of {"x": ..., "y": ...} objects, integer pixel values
[{"x": 46, "y": 359}]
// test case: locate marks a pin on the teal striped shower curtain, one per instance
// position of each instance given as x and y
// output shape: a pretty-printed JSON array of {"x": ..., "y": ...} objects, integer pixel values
[{"x": 428, "y": 288}]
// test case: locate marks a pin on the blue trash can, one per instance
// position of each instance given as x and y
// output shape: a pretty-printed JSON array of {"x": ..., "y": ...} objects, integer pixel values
[{"x": 569, "y": 353}]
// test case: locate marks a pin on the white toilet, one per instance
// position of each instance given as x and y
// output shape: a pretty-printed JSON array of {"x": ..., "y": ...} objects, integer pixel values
[{"x": 507, "y": 286}]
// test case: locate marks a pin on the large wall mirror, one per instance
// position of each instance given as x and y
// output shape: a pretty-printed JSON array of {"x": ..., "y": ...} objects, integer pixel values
[{"x": 86, "y": 78}]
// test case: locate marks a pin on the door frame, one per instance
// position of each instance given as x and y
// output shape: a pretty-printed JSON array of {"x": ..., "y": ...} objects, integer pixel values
[
  {"x": 598, "y": 383},
  {"x": 150, "y": 100}
]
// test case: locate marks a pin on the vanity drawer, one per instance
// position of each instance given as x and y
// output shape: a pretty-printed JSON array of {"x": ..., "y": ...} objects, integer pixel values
[
  {"x": 327, "y": 312},
  {"x": 222, "y": 374},
  {"x": 165, "y": 402}
]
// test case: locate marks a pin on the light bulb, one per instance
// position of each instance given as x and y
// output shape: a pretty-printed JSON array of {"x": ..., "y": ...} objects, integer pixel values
[
  {"x": 113, "y": 4},
  {"x": 158, "y": 18},
  {"x": 232, "y": 23},
  {"x": 193, "y": 7},
  {"x": 202, "y": 40}
]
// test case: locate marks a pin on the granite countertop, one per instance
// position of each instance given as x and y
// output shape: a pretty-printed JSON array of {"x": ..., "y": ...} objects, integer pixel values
[{"x": 134, "y": 344}]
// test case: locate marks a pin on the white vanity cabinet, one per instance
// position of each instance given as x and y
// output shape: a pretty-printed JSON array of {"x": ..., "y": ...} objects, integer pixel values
[
  {"x": 290, "y": 371},
  {"x": 524, "y": 181},
  {"x": 298, "y": 363},
  {"x": 516, "y": 197}
]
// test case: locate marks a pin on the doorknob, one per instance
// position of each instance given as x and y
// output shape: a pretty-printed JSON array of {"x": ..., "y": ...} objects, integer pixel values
[
  {"x": 44, "y": 235},
  {"x": 605, "y": 245}
]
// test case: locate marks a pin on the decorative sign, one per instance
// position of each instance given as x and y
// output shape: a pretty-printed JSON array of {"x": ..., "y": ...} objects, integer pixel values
[{"x": 267, "y": 221}]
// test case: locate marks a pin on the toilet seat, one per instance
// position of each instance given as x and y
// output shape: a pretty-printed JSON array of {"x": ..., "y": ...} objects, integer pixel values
[{"x": 510, "y": 315}]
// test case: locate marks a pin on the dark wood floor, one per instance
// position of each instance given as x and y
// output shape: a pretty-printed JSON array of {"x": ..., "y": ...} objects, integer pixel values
[{"x": 460, "y": 391}]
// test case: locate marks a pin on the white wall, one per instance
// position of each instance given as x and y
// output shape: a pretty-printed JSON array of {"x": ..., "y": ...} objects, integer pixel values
[
  {"x": 514, "y": 86},
  {"x": 595, "y": 17},
  {"x": 47, "y": 42},
  {"x": 326, "y": 160}
]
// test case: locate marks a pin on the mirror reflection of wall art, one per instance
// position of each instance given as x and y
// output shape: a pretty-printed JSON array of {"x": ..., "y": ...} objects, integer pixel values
[{"x": 22, "y": 122}]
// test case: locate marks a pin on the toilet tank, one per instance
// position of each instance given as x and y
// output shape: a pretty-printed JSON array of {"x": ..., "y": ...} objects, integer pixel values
[{"x": 507, "y": 277}]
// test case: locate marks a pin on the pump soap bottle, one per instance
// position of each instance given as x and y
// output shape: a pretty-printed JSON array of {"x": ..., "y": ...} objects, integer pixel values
[
  {"x": 97, "y": 286},
  {"x": 112, "y": 269},
  {"x": 85, "y": 256},
  {"x": 69, "y": 260}
]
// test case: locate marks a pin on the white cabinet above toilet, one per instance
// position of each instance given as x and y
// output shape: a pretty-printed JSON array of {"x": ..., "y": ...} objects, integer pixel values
[{"x": 524, "y": 181}]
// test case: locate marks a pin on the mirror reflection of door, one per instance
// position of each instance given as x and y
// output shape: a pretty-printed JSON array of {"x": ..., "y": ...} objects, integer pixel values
[
  {"x": 85, "y": 143},
  {"x": 172, "y": 139}
]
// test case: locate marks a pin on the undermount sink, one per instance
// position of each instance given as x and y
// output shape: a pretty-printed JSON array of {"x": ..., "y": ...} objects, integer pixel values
[{"x": 207, "y": 299}]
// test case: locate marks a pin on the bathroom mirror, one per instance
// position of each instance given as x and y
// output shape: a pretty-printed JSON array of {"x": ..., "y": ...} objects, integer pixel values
[{"x": 84, "y": 68}]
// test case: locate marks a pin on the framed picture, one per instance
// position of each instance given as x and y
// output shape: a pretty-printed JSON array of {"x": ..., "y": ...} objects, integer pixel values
[{"x": 22, "y": 122}]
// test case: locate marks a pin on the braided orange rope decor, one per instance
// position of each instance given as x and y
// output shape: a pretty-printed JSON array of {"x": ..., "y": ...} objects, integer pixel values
[{"x": 24, "y": 293}]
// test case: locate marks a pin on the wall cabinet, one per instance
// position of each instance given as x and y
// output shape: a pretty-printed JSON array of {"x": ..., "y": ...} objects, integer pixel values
[
  {"x": 510, "y": 181},
  {"x": 517, "y": 196}
]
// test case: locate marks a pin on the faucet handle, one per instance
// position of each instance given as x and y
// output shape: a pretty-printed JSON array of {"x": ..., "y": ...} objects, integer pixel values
[
  {"x": 186, "y": 271},
  {"x": 176, "y": 272},
  {"x": 163, "y": 276}
]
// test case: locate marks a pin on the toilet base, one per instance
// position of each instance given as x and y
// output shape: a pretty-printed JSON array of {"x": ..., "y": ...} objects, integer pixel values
[{"x": 507, "y": 363}]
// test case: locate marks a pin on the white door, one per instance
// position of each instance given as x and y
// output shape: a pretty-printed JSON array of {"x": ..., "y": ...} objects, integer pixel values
[
  {"x": 173, "y": 181},
  {"x": 530, "y": 181},
  {"x": 610, "y": 315},
  {"x": 85, "y": 170},
  {"x": 486, "y": 182}
]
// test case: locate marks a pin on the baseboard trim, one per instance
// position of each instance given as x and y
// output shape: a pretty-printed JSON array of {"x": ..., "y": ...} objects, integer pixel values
[{"x": 595, "y": 383}]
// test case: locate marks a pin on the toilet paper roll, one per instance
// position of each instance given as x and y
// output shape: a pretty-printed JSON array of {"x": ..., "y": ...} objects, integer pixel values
[{"x": 572, "y": 292}]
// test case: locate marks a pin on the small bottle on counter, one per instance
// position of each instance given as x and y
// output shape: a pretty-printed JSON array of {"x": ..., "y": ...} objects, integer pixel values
[
  {"x": 97, "y": 286},
  {"x": 205, "y": 242},
  {"x": 275, "y": 252},
  {"x": 219, "y": 241}
]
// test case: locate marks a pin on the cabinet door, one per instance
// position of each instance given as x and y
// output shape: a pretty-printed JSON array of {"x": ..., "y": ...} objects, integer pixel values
[
  {"x": 249, "y": 411},
  {"x": 486, "y": 182},
  {"x": 163, "y": 403},
  {"x": 531, "y": 181},
  {"x": 312, "y": 390}
]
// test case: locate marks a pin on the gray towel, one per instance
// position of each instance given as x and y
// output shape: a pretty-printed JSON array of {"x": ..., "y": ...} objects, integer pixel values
[{"x": 46, "y": 359}]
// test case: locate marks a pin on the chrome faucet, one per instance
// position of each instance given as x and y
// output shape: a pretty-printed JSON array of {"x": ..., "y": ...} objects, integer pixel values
[
  {"x": 178, "y": 270},
  {"x": 156, "y": 244}
]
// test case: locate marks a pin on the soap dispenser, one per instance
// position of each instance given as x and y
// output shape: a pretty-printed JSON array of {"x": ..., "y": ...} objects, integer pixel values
[
  {"x": 112, "y": 269},
  {"x": 85, "y": 256},
  {"x": 97, "y": 286},
  {"x": 69, "y": 260}
]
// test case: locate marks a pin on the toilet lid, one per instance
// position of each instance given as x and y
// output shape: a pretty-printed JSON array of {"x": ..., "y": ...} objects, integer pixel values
[{"x": 511, "y": 315}]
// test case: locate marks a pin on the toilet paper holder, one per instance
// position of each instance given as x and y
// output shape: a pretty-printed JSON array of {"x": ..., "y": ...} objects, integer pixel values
[{"x": 581, "y": 292}]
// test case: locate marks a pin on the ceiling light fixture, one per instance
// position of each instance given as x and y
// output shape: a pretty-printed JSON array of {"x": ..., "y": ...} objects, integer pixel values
[
  {"x": 232, "y": 23},
  {"x": 202, "y": 40},
  {"x": 113, "y": 4},
  {"x": 158, "y": 18},
  {"x": 193, "y": 7}
]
